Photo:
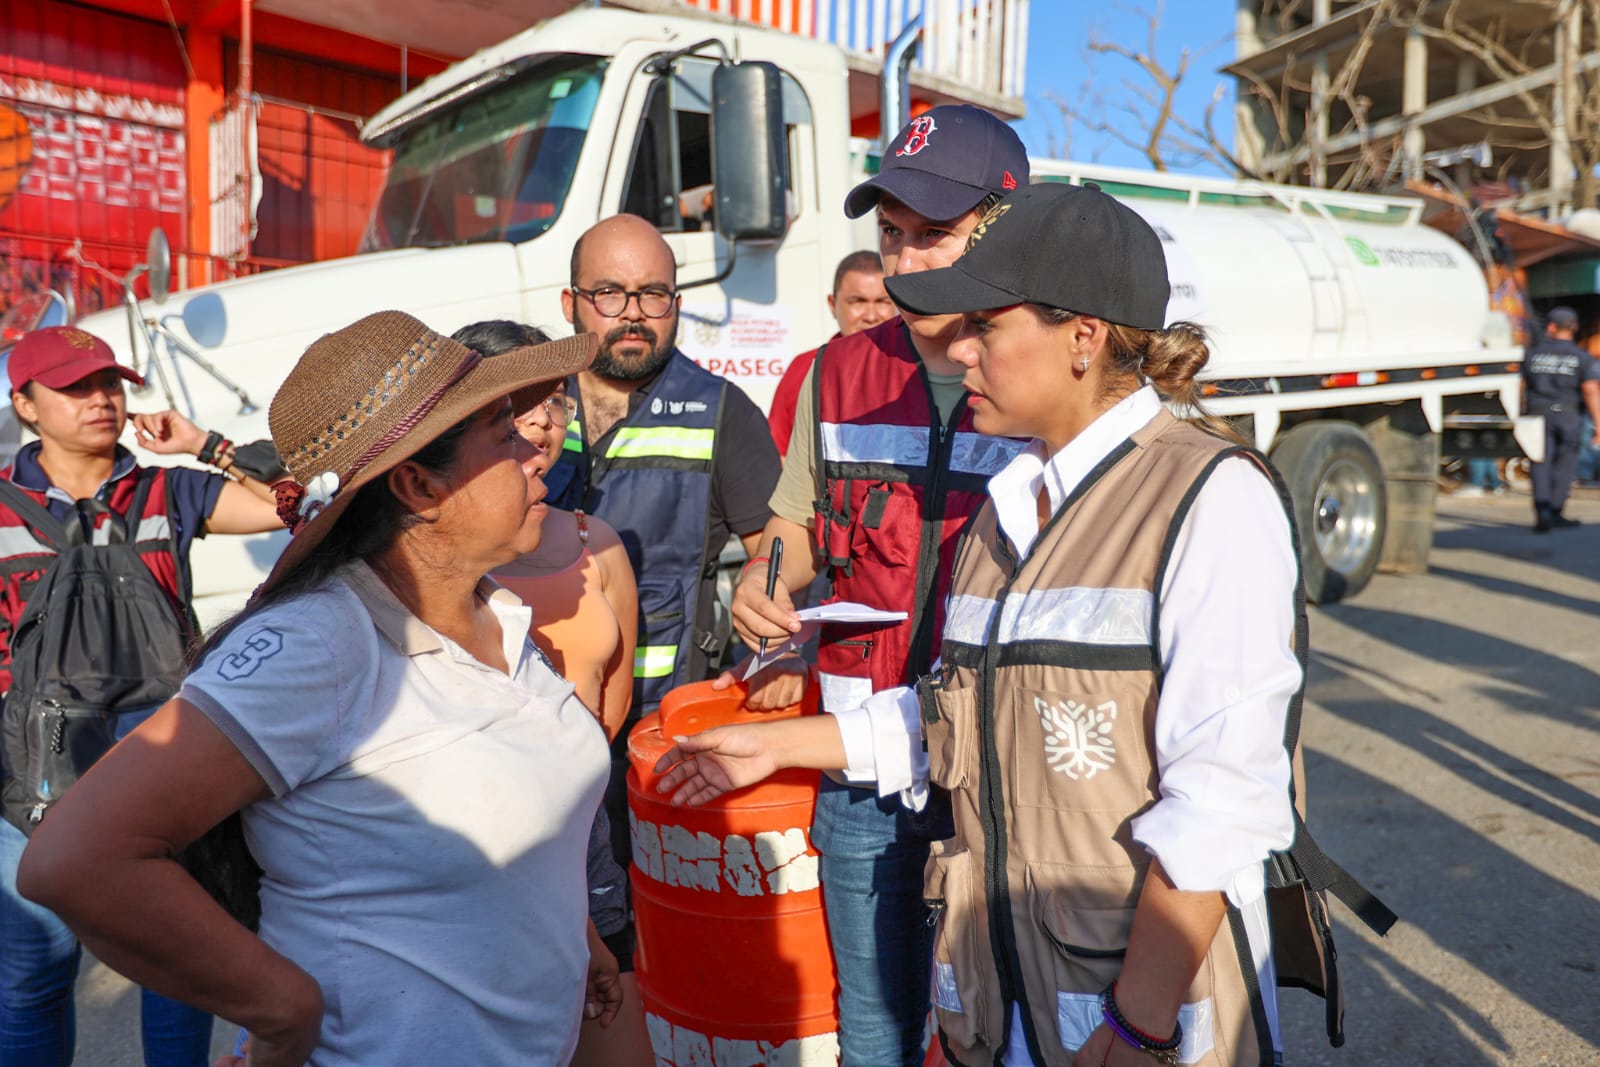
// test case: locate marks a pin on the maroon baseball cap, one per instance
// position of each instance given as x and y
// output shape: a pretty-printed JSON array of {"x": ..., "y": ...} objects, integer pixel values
[{"x": 58, "y": 356}]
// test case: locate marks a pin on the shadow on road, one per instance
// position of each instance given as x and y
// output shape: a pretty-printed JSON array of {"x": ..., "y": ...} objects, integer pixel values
[
  {"x": 1446, "y": 875},
  {"x": 1532, "y": 593},
  {"x": 1550, "y": 679},
  {"x": 1485, "y": 766}
]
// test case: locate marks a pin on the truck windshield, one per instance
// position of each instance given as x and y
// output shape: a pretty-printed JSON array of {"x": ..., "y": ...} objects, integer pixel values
[{"x": 495, "y": 167}]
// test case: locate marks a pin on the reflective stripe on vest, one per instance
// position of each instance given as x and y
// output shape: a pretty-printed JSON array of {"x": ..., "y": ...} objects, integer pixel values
[
  {"x": 654, "y": 661},
  {"x": 976, "y": 453},
  {"x": 573, "y": 441},
  {"x": 17, "y": 541},
  {"x": 678, "y": 442},
  {"x": 899, "y": 446},
  {"x": 841, "y": 692},
  {"x": 1079, "y": 615}
]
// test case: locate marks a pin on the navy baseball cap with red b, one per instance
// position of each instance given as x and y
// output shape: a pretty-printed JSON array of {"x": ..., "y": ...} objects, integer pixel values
[
  {"x": 944, "y": 162},
  {"x": 58, "y": 356}
]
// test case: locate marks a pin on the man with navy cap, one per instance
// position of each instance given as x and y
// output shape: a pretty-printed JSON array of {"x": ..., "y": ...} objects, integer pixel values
[
  {"x": 1557, "y": 376},
  {"x": 883, "y": 470}
]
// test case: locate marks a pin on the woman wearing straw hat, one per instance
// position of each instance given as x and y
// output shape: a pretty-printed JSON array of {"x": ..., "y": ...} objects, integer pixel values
[
  {"x": 1119, "y": 663},
  {"x": 413, "y": 780}
]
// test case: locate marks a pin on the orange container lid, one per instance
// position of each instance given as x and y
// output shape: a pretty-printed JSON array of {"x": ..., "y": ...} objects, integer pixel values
[{"x": 695, "y": 708}]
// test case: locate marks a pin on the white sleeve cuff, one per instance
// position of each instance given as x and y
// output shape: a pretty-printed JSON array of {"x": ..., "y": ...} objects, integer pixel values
[
  {"x": 855, "y": 729},
  {"x": 883, "y": 744},
  {"x": 1216, "y": 862}
]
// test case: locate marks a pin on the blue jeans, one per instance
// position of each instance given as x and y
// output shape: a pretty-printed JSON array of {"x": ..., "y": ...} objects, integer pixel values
[
  {"x": 1588, "y": 453},
  {"x": 39, "y": 959},
  {"x": 873, "y": 852},
  {"x": 1483, "y": 472}
]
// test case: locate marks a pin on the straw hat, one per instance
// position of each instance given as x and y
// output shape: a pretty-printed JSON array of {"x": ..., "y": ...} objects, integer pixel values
[{"x": 368, "y": 397}]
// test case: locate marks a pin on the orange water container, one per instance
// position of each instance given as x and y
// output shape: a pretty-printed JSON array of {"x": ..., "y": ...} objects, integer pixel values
[{"x": 733, "y": 961}]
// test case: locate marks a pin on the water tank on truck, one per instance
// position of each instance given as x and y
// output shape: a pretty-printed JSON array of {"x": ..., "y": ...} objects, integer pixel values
[{"x": 1345, "y": 333}]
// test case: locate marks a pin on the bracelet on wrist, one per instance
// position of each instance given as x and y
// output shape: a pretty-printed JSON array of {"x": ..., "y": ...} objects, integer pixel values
[
  {"x": 208, "y": 451},
  {"x": 752, "y": 563},
  {"x": 1162, "y": 1051}
]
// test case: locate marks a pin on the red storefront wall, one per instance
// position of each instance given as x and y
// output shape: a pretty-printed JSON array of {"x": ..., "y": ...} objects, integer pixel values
[
  {"x": 104, "y": 136},
  {"x": 93, "y": 103},
  {"x": 318, "y": 180}
]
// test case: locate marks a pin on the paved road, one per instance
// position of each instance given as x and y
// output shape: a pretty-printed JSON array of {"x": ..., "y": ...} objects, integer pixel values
[
  {"x": 1453, "y": 756},
  {"x": 1453, "y": 753}
]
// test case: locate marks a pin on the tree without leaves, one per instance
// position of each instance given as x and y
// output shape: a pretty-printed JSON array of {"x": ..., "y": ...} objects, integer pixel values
[{"x": 1143, "y": 114}]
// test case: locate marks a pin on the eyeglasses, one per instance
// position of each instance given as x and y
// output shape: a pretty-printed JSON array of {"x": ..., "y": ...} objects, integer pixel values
[
  {"x": 654, "y": 302},
  {"x": 560, "y": 409}
]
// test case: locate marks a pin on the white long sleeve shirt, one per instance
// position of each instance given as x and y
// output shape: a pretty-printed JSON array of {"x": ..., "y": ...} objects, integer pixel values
[{"x": 1227, "y": 629}]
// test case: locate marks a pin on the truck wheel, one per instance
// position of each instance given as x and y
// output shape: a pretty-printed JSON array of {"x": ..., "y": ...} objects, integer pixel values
[{"x": 1339, "y": 505}]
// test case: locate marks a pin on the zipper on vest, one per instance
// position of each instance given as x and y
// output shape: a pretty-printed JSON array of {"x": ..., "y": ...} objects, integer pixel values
[
  {"x": 992, "y": 816},
  {"x": 932, "y": 524}
]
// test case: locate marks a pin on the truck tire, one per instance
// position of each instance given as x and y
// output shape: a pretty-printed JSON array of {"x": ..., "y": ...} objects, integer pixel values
[{"x": 1340, "y": 508}]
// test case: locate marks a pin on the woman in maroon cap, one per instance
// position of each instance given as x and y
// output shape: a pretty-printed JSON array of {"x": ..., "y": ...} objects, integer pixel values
[{"x": 68, "y": 388}]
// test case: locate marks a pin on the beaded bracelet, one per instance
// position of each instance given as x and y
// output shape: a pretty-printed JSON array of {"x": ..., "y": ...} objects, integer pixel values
[{"x": 1161, "y": 1051}]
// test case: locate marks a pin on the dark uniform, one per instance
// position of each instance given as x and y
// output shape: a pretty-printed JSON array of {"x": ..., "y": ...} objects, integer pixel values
[{"x": 1553, "y": 373}]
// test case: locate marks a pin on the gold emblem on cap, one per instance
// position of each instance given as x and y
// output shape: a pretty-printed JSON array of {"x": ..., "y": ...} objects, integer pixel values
[
  {"x": 983, "y": 224},
  {"x": 78, "y": 339}
]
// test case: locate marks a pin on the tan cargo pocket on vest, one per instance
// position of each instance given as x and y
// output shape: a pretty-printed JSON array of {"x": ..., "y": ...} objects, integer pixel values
[
  {"x": 959, "y": 999},
  {"x": 1075, "y": 751},
  {"x": 1088, "y": 942},
  {"x": 951, "y": 733},
  {"x": 1087, "y": 930}
]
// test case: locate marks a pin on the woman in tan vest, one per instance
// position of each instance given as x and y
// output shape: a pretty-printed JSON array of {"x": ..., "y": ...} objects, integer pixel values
[{"x": 1119, "y": 662}]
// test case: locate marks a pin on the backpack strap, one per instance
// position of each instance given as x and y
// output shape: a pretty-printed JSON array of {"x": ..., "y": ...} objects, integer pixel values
[
  {"x": 185, "y": 579},
  {"x": 49, "y": 530},
  {"x": 141, "y": 496}
]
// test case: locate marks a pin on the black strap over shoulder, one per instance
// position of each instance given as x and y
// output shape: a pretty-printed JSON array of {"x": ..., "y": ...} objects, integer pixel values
[{"x": 49, "y": 530}]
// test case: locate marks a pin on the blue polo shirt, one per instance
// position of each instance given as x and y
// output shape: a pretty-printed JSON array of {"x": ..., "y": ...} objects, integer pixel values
[{"x": 193, "y": 493}]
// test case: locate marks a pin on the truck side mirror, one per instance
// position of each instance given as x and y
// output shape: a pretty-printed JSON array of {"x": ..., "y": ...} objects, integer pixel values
[
  {"x": 749, "y": 157},
  {"x": 158, "y": 261}
]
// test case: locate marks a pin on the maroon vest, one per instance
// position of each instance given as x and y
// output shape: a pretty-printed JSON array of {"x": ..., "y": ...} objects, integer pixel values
[
  {"x": 897, "y": 487},
  {"x": 24, "y": 559}
]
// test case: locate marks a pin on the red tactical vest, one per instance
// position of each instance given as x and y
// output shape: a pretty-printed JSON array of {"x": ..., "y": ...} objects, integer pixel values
[
  {"x": 23, "y": 559},
  {"x": 897, "y": 487}
]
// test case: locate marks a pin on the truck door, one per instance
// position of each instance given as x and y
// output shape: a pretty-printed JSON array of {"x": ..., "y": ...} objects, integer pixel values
[{"x": 771, "y": 306}]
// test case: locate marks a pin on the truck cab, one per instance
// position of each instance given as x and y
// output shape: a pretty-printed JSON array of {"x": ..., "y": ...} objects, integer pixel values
[{"x": 500, "y": 163}]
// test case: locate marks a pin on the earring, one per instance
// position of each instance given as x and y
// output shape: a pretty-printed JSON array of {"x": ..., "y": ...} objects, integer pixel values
[{"x": 1083, "y": 364}]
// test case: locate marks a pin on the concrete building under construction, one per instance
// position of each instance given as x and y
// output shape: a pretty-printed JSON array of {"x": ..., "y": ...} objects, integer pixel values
[
  {"x": 1492, "y": 94},
  {"x": 1488, "y": 108}
]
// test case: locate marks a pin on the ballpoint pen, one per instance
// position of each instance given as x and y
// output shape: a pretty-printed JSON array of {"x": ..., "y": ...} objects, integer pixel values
[{"x": 773, "y": 566}]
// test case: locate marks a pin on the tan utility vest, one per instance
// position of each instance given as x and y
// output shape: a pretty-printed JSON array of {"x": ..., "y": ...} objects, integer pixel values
[{"x": 1042, "y": 727}]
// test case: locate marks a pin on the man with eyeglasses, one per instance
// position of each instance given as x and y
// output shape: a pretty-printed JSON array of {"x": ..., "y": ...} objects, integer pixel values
[{"x": 675, "y": 458}]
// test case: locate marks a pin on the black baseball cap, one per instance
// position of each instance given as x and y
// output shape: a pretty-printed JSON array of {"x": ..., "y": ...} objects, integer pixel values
[
  {"x": 944, "y": 162},
  {"x": 1563, "y": 318},
  {"x": 1066, "y": 246}
]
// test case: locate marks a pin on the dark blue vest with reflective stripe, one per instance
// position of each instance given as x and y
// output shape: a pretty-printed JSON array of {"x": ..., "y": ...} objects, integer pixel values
[{"x": 652, "y": 483}]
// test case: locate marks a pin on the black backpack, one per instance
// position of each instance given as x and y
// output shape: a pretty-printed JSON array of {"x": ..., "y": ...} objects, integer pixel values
[{"x": 98, "y": 636}]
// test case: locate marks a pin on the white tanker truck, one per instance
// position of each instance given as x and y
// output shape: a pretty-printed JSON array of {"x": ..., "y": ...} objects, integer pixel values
[{"x": 1349, "y": 336}]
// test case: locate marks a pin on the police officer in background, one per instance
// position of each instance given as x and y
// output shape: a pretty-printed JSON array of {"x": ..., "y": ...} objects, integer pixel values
[{"x": 1556, "y": 376}]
